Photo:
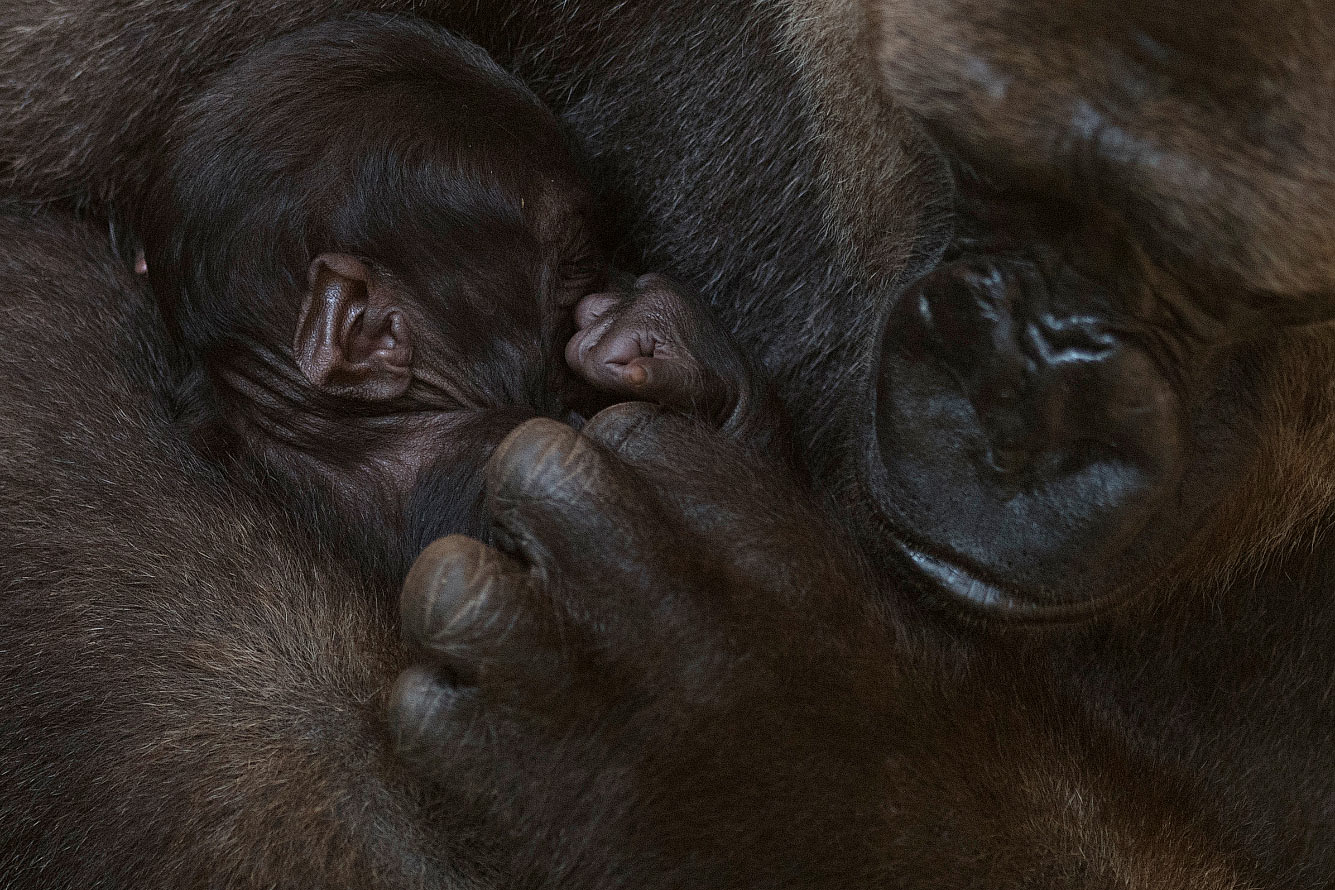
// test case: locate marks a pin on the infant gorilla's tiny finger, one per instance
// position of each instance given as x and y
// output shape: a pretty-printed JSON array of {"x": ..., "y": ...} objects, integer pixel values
[
  {"x": 612, "y": 339},
  {"x": 582, "y": 342},
  {"x": 626, "y": 360},
  {"x": 668, "y": 382},
  {"x": 591, "y": 308}
]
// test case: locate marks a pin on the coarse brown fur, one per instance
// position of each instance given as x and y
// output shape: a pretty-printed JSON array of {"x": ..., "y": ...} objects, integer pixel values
[
  {"x": 255, "y": 665},
  {"x": 252, "y": 658},
  {"x": 1181, "y": 739}
]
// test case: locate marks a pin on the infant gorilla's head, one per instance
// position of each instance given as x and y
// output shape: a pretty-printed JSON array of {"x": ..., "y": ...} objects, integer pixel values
[
  {"x": 386, "y": 192},
  {"x": 370, "y": 238},
  {"x": 372, "y": 242}
]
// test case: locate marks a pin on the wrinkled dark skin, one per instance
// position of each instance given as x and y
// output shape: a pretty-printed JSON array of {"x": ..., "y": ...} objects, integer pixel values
[
  {"x": 519, "y": 665},
  {"x": 1176, "y": 734}
]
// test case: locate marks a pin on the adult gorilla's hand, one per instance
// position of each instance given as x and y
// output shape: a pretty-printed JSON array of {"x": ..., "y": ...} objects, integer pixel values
[{"x": 665, "y": 673}]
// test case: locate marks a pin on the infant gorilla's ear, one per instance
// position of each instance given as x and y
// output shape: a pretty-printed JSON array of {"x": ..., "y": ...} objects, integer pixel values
[{"x": 352, "y": 338}]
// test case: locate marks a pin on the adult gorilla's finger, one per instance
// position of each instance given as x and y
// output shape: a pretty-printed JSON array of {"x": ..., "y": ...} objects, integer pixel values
[
  {"x": 558, "y": 498},
  {"x": 428, "y": 714},
  {"x": 477, "y": 614},
  {"x": 710, "y": 486}
]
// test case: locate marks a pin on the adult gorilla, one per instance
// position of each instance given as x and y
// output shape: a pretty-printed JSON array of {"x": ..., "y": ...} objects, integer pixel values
[{"x": 1100, "y": 245}]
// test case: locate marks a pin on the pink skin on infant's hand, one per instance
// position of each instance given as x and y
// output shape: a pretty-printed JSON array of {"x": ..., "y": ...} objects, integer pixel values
[{"x": 649, "y": 343}]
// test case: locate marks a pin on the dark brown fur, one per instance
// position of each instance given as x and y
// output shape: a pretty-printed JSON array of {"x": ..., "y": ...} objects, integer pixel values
[
  {"x": 181, "y": 616},
  {"x": 256, "y": 671},
  {"x": 1181, "y": 740}
]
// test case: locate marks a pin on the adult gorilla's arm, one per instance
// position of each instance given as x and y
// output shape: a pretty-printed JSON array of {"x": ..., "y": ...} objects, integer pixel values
[
  {"x": 670, "y": 675},
  {"x": 191, "y": 691}
]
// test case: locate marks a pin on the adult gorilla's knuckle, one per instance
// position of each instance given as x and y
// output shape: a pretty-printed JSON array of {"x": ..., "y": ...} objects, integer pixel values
[
  {"x": 417, "y": 703},
  {"x": 623, "y": 425},
  {"x": 543, "y": 460}
]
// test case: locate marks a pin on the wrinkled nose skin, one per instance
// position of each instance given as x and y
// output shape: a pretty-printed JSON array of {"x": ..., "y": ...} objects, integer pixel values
[{"x": 1026, "y": 439}]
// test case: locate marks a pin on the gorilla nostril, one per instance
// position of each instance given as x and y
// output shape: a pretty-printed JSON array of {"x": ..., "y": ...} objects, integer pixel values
[
  {"x": 957, "y": 307},
  {"x": 1023, "y": 433}
]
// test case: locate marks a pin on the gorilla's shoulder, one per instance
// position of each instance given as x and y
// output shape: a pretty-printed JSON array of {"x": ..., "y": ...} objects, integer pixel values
[
  {"x": 86, "y": 369},
  {"x": 71, "y": 307}
]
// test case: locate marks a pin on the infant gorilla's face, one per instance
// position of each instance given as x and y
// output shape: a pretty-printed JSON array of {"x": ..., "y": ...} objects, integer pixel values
[
  {"x": 377, "y": 307},
  {"x": 505, "y": 309}
]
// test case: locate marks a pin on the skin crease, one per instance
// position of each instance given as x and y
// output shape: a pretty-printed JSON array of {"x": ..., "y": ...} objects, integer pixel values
[
  {"x": 1178, "y": 739},
  {"x": 363, "y": 330}
]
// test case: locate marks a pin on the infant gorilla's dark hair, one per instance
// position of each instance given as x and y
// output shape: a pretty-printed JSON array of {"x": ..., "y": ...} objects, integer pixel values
[{"x": 332, "y": 139}]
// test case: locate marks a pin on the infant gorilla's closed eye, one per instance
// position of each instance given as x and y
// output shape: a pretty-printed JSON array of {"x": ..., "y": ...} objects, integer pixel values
[{"x": 374, "y": 245}]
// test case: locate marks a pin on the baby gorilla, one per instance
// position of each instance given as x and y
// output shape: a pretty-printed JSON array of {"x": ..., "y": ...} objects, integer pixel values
[{"x": 374, "y": 246}]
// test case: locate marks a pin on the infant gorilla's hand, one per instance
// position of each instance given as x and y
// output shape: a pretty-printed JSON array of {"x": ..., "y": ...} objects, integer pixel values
[
  {"x": 667, "y": 676},
  {"x": 656, "y": 341}
]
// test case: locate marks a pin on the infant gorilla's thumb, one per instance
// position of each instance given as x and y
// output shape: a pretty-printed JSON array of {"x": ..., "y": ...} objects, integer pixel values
[{"x": 593, "y": 307}]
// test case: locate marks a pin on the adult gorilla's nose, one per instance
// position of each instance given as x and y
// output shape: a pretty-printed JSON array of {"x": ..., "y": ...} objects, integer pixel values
[{"x": 1027, "y": 437}]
